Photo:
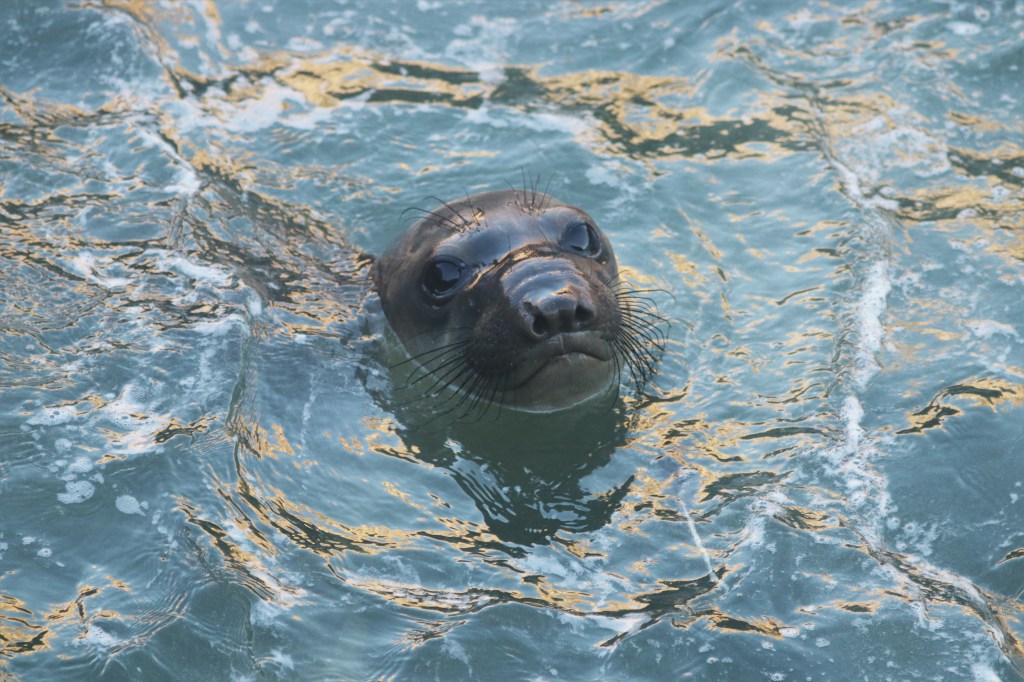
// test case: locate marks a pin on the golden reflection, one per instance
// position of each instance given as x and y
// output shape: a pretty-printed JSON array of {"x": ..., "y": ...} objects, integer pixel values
[
  {"x": 18, "y": 634},
  {"x": 581, "y": 549},
  {"x": 175, "y": 427},
  {"x": 570, "y": 600},
  {"x": 303, "y": 525},
  {"x": 445, "y": 601},
  {"x": 281, "y": 444},
  {"x": 988, "y": 391},
  {"x": 858, "y": 607},
  {"x": 631, "y": 115},
  {"x": 393, "y": 490},
  {"x": 767, "y": 626},
  {"x": 980, "y": 124},
  {"x": 576, "y": 9},
  {"x": 803, "y": 518},
  {"x": 693, "y": 280},
  {"x": 143, "y": 11},
  {"x": 253, "y": 437},
  {"x": 352, "y": 445},
  {"x": 350, "y": 71}
]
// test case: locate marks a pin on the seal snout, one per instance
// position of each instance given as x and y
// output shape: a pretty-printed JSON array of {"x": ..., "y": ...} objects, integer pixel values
[
  {"x": 550, "y": 297},
  {"x": 546, "y": 314}
]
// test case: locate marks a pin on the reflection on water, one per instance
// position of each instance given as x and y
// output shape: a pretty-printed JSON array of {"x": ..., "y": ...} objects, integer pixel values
[{"x": 205, "y": 470}]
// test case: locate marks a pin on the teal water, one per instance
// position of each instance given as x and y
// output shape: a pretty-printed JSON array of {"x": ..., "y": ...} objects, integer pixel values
[{"x": 204, "y": 474}]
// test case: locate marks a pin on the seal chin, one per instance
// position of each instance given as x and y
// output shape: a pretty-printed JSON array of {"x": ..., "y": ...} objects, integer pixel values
[{"x": 563, "y": 381}]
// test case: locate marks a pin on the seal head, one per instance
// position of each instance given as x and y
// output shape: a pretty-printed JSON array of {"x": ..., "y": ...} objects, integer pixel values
[{"x": 509, "y": 298}]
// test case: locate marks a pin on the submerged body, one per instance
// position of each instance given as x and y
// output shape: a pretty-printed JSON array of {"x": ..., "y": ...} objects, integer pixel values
[{"x": 513, "y": 298}]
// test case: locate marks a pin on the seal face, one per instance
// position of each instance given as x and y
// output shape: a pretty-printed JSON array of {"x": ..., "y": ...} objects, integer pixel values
[{"x": 511, "y": 298}]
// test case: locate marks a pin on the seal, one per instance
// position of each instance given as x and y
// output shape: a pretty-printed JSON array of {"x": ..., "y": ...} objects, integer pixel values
[{"x": 512, "y": 298}]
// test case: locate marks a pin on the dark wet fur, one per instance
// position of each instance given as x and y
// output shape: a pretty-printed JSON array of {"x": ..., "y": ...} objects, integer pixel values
[
  {"x": 464, "y": 392},
  {"x": 530, "y": 199}
]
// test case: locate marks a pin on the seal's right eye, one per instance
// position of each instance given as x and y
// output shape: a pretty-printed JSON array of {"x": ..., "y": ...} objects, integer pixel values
[{"x": 441, "y": 276}]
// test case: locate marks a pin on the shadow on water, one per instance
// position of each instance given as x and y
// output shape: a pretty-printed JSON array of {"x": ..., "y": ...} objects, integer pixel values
[{"x": 525, "y": 471}]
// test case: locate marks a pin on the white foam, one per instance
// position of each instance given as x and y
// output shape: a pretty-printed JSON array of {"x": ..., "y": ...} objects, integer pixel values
[
  {"x": 983, "y": 673},
  {"x": 223, "y": 326},
  {"x": 80, "y": 465},
  {"x": 53, "y": 416},
  {"x": 963, "y": 28},
  {"x": 282, "y": 659},
  {"x": 624, "y": 625},
  {"x": 76, "y": 492},
  {"x": 482, "y": 45},
  {"x": 247, "y": 116},
  {"x": 99, "y": 637},
  {"x": 608, "y": 173},
  {"x": 802, "y": 19},
  {"x": 187, "y": 181},
  {"x": 310, "y": 120},
  {"x": 264, "y": 613},
  {"x": 540, "y": 122},
  {"x": 868, "y": 315},
  {"x": 986, "y": 329},
  {"x": 126, "y": 504},
  {"x": 204, "y": 274},
  {"x": 455, "y": 649},
  {"x": 84, "y": 264}
]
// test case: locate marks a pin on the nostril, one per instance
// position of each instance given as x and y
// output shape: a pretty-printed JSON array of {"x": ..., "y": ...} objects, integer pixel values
[
  {"x": 584, "y": 314},
  {"x": 545, "y": 316}
]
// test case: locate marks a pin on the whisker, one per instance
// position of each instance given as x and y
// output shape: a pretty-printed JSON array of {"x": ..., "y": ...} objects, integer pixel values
[
  {"x": 452, "y": 376},
  {"x": 446, "y": 364},
  {"x": 443, "y": 219},
  {"x": 433, "y": 351}
]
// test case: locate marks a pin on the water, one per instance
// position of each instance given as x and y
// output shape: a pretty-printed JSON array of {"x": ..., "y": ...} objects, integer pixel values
[{"x": 203, "y": 474}]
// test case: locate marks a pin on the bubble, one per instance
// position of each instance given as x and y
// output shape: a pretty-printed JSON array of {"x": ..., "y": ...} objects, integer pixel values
[
  {"x": 76, "y": 492},
  {"x": 80, "y": 465},
  {"x": 126, "y": 504}
]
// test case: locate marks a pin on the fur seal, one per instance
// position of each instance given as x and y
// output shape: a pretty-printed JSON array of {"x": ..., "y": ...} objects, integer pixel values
[{"x": 512, "y": 298}]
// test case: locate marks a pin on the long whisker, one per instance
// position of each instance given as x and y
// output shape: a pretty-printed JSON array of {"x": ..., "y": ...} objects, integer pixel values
[
  {"x": 642, "y": 331},
  {"x": 427, "y": 355},
  {"x": 439, "y": 217}
]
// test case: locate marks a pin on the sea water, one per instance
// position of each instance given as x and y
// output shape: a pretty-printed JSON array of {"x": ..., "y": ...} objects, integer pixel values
[{"x": 204, "y": 473}]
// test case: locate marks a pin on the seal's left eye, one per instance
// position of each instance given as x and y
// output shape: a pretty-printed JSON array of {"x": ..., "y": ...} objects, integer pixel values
[
  {"x": 582, "y": 238},
  {"x": 441, "y": 276}
]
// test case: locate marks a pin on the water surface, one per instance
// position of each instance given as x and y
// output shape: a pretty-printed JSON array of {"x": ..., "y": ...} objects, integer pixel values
[{"x": 204, "y": 473}]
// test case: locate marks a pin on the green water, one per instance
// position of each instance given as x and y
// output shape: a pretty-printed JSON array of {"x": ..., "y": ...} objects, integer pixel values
[{"x": 205, "y": 473}]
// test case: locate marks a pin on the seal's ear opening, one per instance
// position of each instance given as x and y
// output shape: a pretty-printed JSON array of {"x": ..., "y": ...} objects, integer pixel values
[{"x": 376, "y": 275}]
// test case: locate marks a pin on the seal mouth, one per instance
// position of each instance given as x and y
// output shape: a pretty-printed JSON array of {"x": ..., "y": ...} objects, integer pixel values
[{"x": 568, "y": 351}]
